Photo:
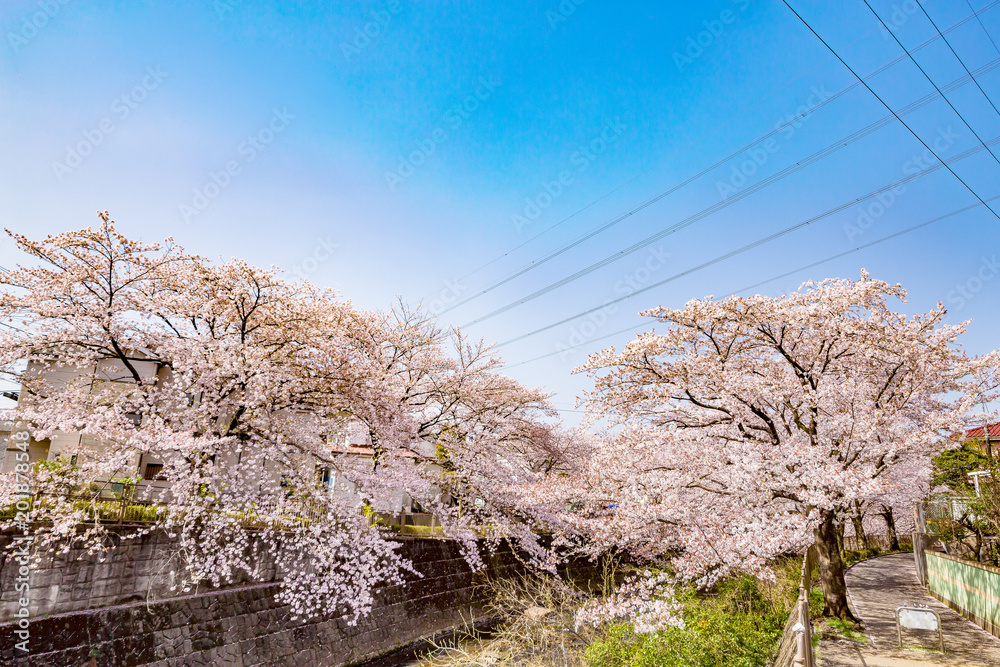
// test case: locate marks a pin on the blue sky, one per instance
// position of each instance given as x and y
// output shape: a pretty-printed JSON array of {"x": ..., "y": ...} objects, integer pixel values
[{"x": 395, "y": 149}]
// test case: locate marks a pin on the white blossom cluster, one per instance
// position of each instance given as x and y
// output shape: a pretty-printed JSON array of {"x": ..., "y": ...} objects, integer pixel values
[{"x": 647, "y": 601}]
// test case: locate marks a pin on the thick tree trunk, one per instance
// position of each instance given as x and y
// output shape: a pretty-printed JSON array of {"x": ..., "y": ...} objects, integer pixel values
[
  {"x": 890, "y": 525},
  {"x": 831, "y": 569}
]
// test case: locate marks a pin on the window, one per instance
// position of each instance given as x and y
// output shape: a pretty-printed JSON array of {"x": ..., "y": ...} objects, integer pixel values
[{"x": 153, "y": 471}]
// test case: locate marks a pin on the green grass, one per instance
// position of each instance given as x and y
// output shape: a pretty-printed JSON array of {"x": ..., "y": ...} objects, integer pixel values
[
  {"x": 816, "y": 602},
  {"x": 740, "y": 626},
  {"x": 847, "y": 629}
]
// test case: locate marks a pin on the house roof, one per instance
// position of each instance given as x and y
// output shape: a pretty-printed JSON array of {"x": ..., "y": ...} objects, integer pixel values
[{"x": 977, "y": 433}]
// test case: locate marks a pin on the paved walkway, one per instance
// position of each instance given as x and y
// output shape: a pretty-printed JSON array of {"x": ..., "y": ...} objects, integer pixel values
[{"x": 880, "y": 585}]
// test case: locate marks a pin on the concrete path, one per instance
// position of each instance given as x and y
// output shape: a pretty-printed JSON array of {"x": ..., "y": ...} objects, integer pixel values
[{"x": 880, "y": 585}]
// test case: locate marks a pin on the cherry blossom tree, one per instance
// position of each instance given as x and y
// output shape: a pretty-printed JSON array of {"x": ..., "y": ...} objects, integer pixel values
[
  {"x": 890, "y": 512},
  {"x": 244, "y": 385},
  {"x": 750, "y": 427}
]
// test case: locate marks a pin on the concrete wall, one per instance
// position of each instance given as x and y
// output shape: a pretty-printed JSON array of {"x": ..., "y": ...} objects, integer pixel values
[
  {"x": 972, "y": 589},
  {"x": 122, "y": 612}
]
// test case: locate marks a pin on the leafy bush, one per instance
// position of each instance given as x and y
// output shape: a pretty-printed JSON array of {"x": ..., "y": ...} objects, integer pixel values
[{"x": 739, "y": 626}]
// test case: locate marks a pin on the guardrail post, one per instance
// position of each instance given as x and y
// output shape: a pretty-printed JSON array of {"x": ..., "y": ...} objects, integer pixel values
[{"x": 803, "y": 644}]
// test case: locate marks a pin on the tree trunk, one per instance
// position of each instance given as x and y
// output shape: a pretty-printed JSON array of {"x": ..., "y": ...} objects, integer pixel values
[
  {"x": 859, "y": 530},
  {"x": 890, "y": 525},
  {"x": 831, "y": 569}
]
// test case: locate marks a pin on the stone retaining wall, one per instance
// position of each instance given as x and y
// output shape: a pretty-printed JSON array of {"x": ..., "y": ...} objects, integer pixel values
[
  {"x": 91, "y": 610},
  {"x": 135, "y": 570}
]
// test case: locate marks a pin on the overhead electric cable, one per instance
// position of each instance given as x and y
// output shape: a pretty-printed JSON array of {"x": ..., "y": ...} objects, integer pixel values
[
  {"x": 536, "y": 263},
  {"x": 983, "y": 25},
  {"x": 941, "y": 163},
  {"x": 773, "y": 278},
  {"x": 931, "y": 81},
  {"x": 761, "y": 241},
  {"x": 672, "y": 155},
  {"x": 770, "y": 180},
  {"x": 882, "y": 102},
  {"x": 957, "y": 57}
]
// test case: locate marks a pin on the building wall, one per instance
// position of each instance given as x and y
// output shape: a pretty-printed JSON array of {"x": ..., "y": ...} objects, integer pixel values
[
  {"x": 972, "y": 589},
  {"x": 122, "y": 612}
]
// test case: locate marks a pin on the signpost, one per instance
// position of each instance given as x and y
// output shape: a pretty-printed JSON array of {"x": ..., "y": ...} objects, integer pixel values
[{"x": 918, "y": 617}]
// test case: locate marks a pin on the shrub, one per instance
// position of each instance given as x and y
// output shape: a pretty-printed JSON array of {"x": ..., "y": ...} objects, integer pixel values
[{"x": 739, "y": 626}]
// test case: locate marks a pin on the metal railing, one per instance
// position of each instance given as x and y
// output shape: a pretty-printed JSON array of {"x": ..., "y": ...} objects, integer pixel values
[
  {"x": 873, "y": 541},
  {"x": 122, "y": 509},
  {"x": 795, "y": 648},
  {"x": 417, "y": 524},
  {"x": 102, "y": 508}
]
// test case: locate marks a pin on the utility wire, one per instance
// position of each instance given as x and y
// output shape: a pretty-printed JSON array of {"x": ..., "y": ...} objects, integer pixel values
[
  {"x": 760, "y": 241},
  {"x": 983, "y": 25},
  {"x": 957, "y": 57},
  {"x": 882, "y": 102},
  {"x": 931, "y": 81},
  {"x": 805, "y": 267},
  {"x": 941, "y": 163},
  {"x": 651, "y": 168},
  {"x": 704, "y": 213},
  {"x": 535, "y": 264}
]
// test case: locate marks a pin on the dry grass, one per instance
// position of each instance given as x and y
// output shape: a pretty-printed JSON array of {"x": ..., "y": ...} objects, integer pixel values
[{"x": 537, "y": 631}]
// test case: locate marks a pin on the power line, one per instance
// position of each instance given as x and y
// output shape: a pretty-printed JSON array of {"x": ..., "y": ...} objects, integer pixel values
[
  {"x": 931, "y": 81},
  {"x": 941, "y": 163},
  {"x": 957, "y": 57},
  {"x": 760, "y": 241},
  {"x": 983, "y": 25},
  {"x": 778, "y": 277},
  {"x": 882, "y": 102},
  {"x": 649, "y": 169},
  {"x": 535, "y": 264},
  {"x": 704, "y": 213}
]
